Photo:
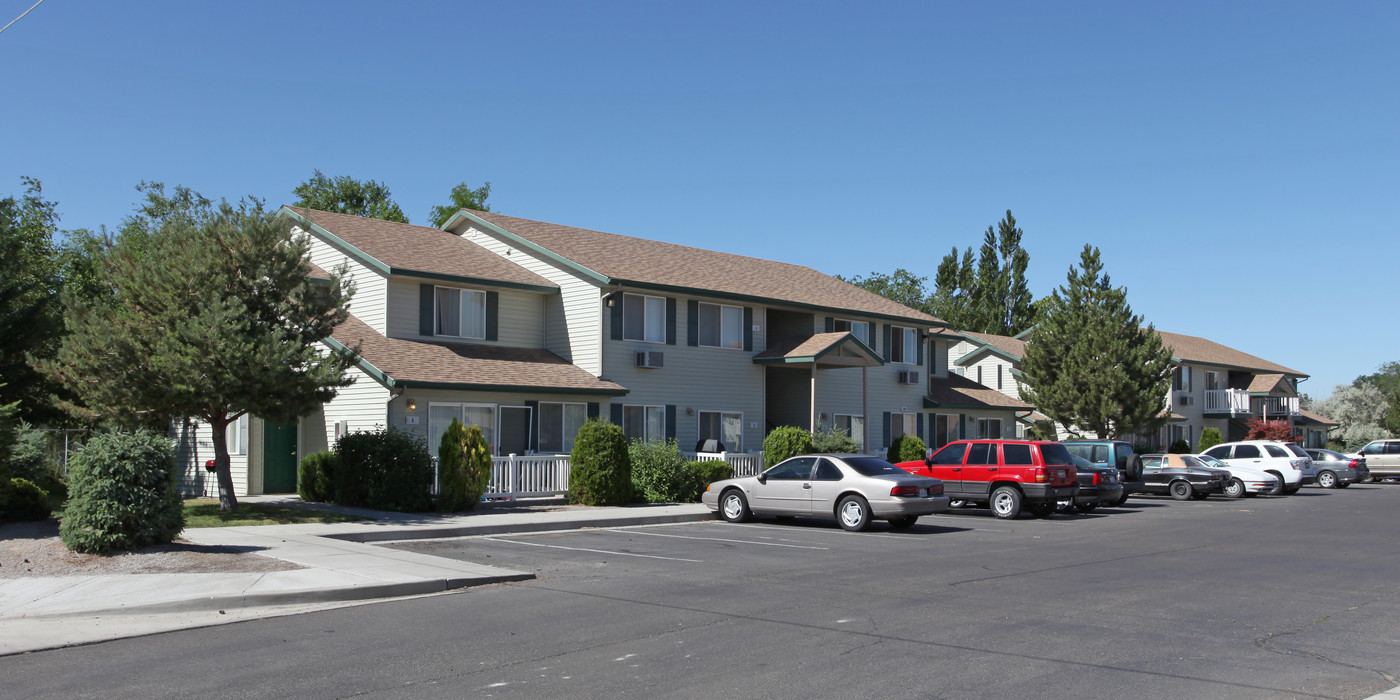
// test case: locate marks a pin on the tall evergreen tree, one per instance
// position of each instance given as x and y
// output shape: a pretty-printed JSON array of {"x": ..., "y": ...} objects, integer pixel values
[
  {"x": 213, "y": 315},
  {"x": 463, "y": 197},
  {"x": 30, "y": 315},
  {"x": 991, "y": 295},
  {"x": 1090, "y": 363},
  {"x": 346, "y": 195}
]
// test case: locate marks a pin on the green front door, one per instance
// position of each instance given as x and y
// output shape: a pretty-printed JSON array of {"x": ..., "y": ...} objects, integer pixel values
[{"x": 279, "y": 457}]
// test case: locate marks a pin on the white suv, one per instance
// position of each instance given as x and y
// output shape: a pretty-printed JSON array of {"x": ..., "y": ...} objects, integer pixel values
[
  {"x": 1285, "y": 460},
  {"x": 1382, "y": 458}
]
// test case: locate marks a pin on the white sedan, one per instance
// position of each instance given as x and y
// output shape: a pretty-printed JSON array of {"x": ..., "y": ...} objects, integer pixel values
[
  {"x": 851, "y": 488},
  {"x": 1244, "y": 481}
]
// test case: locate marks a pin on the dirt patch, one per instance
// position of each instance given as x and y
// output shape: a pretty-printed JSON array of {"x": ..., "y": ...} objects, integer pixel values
[{"x": 33, "y": 549}]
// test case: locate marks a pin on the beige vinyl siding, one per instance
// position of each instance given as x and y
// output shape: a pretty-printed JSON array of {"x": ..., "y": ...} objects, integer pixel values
[
  {"x": 193, "y": 450},
  {"x": 362, "y": 404},
  {"x": 839, "y": 391},
  {"x": 958, "y": 349},
  {"x": 371, "y": 288},
  {"x": 573, "y": 321},
  {"x": 521, "y": 320},
  {"x": 398, "y": 413},
  {"x": 989, "y": 365}
]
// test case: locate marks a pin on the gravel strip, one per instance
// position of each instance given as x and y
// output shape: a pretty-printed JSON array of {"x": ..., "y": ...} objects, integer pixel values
[{"x": 34, "y": 549}]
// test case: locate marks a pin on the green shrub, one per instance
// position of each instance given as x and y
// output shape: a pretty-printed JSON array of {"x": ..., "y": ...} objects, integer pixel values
[
  {"x": 710, "y": 471},
  {"x": 600, "y": 472},
  {"x": 784, "y": 442},
  {"x": 660, "y": 474},
  {"x": 384, "y": 470},
  {"x": 464, "y": 468},
  {"x": 906, "y": 448},
  {"x": 834, "y": 440},
  {"x": 122, "y": 494},
  {"x": 30, "y": 459},
  {"x": 1179, "y": 447},
  {"x": 1210, "y": 437},
  {"x": 315, "y": 476},
  {"x": 24, "y": 500}
]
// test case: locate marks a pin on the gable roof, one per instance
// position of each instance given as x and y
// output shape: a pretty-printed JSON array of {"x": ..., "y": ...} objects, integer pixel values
[
  {"x": 416, "y": 251},
  {"x": 1310, "y": 417},
  {"x": 839, "y": 349},
  {"x": 1007, "y": 346},
  {"x": 960, "y": 392},
  {"x": 610, "y": 258},
  {"x": 397, "y": 362},
  {"x": 1188, "y": 348}
]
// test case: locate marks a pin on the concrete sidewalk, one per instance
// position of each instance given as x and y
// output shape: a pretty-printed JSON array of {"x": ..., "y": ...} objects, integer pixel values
[{"x": 45, "y": 612}]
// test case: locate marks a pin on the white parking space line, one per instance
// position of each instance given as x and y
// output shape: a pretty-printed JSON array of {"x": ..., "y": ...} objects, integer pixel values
[
  {"x": 595, "y": 551},
  {"x": 836, "y": 531},
  {"x": 714, "y": 539}
]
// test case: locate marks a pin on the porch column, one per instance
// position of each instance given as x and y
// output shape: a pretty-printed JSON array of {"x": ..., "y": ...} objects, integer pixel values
[
  {"x": 813, "y": 405},
  {"x": 864, "y": 409}
]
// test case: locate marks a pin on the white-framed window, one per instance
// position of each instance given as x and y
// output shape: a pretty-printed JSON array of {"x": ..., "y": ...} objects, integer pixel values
[
  {"x": 459, "y": 312},
  {"x": 440, "y": 417},
  {"x": 644, "y": 422},
  {"x": 859, "y": 329},
  {"x": 945, "y": 429},
  {"x": 904, "y": 345},
  {"x": 1181, "y": 379},
  {"x": 236, "y": 437},
  {"x": 559, "y": 425},
  {"x": 1214, "y": 381},
  {"x": 644, "y": 318},
  {"x": 720, "y": 326},
  {"x": 989, "y": 427},
  {"x": 854, "y": 425},
  {"x": 725, "y": 426},
  {"x": 1179, "y": 432},
  {"x": 902, "y": 424}
]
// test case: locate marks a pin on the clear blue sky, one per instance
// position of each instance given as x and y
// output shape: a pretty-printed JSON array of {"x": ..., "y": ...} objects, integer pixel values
[{"x": 1235, "y": 162}]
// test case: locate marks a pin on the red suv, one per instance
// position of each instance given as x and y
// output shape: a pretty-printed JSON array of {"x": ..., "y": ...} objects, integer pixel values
[{"x": 1003, "y": 473}]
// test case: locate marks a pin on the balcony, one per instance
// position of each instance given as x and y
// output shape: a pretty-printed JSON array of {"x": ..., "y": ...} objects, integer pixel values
[
  {"x": 1274, "y": 407},
  {"x": 1227, "y": 403}
]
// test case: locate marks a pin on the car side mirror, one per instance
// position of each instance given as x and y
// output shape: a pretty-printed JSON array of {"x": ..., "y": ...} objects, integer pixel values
[
  {"x": 928, "y": 461},
  {"x": 762, "y": 478}
]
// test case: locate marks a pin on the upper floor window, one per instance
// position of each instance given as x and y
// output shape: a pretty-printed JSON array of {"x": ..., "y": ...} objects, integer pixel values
[
  {"x": 1181, "y": 379},
  {"x": 859, "y": 329},
  {"x": 459, "y": 312},
  {"x": 643, "y": 318},
  {"x": 719, "y": 326},
  {"x": 1214, "y": 381},
  {"x": 904, "y": 345}
]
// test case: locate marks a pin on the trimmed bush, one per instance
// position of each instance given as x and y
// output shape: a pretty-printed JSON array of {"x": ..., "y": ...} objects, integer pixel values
[
  {"x": 24, "y": 500},
  {"x": 383, "y": 470},
  {"x": 1210, "y": 437},
  {"x": 122, "y": 494},
  {"x": 710, "y": 471},
  {"x": 464, "y": 468},
  {"x": 784, "y": 442},
  {"x": 906, "y": 448},
  {"x": 660, "y": 474},
  {"x": 600, "y": 472},
  {"x": 833, "y": 440},
  {"x": 1179, "y": 447},
  {"x": 315, "y": 476}
]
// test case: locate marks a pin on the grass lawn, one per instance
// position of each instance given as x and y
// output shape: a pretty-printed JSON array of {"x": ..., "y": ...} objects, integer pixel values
[{"x": 204, "y": 512}]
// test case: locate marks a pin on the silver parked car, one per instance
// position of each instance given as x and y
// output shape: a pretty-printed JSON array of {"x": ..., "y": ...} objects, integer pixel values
[
  {"x": 851, "y": 488},
  {"x": 1336, "y": 470}
]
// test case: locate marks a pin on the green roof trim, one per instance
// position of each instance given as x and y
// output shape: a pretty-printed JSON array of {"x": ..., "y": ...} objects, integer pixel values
[
  {"x": 375, "y": 373},
  {"x": 359, "y": 255},
  {"x": 482, "y": 281},
  {"x": 861, "y": 346},
  {"x": 527, "y": 245},
  {"x": 769, "y": 301},
  {"x": 986, "y": 348},
  {"x": 930, "y": 403}
]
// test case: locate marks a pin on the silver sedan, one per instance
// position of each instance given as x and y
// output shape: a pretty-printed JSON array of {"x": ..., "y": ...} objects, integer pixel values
[{"x": 851, "y": 488}]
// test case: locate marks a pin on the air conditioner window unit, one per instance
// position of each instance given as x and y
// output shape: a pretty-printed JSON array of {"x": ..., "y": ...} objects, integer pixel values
[
  {"x": 651, "y": 359},
  {"x": 909, "y": 377}
]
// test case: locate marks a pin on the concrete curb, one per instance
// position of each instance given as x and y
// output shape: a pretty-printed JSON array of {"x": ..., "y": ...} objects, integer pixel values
[{"x": 620, "y": 520}]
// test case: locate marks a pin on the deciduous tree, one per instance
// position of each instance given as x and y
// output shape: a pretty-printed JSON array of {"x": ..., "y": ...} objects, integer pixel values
[
  {"x": 346, "y": 195},
  {"x": 463, "y": 197},
  {"x": 1091, "y": 363},
  {"x": 903, "y": 287},
  {"x": 1360, "y": 412}
]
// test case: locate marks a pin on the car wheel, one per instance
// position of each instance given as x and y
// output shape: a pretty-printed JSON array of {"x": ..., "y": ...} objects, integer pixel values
[
  {"x": 1234, "y": 488},
  {"x": 1087, "y": 507},
  {"x": 1180, "y": 490},
  {"x": 853, "y": 513},
  {"x": 1134, "y": 468},
  {"x": 1006, "y": 502},
  {"x": 733, "y": 507},
  {"x": 957, "y": 503},
  {"x": 1290, "y": 490},
  {"x": 1278, "y": 487},
  {"x": 1327, "y": 480},
  {"x": 904, "y": 522},
  {"x": 1121, "y": 500}
]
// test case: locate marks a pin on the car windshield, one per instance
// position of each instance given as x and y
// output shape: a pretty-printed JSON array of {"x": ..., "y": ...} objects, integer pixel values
[
  {"x": 1191, "y": 461},
  {"x": 1081, "y": 462},
  {"x": 872, "y": 466},
  {"x": 1055, "y": 453},
  {"x": 1210, "y": 461}
]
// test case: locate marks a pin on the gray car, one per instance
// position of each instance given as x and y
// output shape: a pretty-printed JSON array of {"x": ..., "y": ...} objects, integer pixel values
[
  {"x": 1336, "y": 470},
  {"x": 851, "y": 488}
]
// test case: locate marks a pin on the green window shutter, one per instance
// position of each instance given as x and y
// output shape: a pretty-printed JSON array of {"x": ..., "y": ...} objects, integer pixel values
[
  {"x": 962, "y": 426},
  {"x": 534, "y": 407},
  {"x": 886, "y": 433},
  {"x": 670, "y": 320},
  {"x": 919, "y": 426},
  {"x": 830, "y": 325},
  {"x": 922, "y": 342},
  {"x": 885, "y": 347},
  {"x": 593, "y": 410},
  {"x": 493, "y": 314},
  {"x": 616, "y": 323},
  {"x": 617, "y": 414},
  {"x": 425, "y": 309},
  {"x": 748, "y": 329},
  {"x": 692, "y": 323},
  {"x": 670, "y": 421}
]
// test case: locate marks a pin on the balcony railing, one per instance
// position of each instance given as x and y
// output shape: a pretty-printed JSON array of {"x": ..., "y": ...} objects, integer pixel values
[
  {"x": 1227, "y": 401},
  {"x": 1278, "y": 406}
]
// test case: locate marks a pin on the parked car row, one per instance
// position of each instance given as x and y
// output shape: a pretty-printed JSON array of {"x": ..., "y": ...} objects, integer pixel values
[{"x": 1012, "y": 476}]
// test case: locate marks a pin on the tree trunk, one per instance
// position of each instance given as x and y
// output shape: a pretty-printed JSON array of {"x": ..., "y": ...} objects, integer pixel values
[{"x": 227, "y": 499}]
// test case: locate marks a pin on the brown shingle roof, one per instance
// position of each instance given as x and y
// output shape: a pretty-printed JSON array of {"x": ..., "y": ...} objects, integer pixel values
[
  {"x": 1014, "y": 347},
  {"x": 407, "y": 248},
  {"x": 639, "y": 260},
  {"x": 317, "y": 272},
  {"x": 1317, "y": 417},
  {"x": 470, "y": 366},
  {"x": 1264, "y": 383},
  {"x": 961, "y": 392},
  {"x": 1192, "y": 349}
]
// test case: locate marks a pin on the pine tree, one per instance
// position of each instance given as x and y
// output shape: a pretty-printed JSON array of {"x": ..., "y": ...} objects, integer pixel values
[
  {"x": 1090, "y": 363},
  {"x": 990, "y": 295},
  {"x": 30, "y": 316},
  {"x": 213, "y": 315}
]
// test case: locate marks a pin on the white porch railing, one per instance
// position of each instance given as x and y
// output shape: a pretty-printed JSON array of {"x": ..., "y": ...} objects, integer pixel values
[
  {"x": 1227, "y": 401},
  {"x": 523, "y": 476},
  {"x": 1280, "y": 406},
  {"x": 744, "y": 464}
]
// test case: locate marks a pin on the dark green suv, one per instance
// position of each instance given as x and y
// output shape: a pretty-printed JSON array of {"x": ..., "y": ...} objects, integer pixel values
[{"x": 1111, "y": 453}]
